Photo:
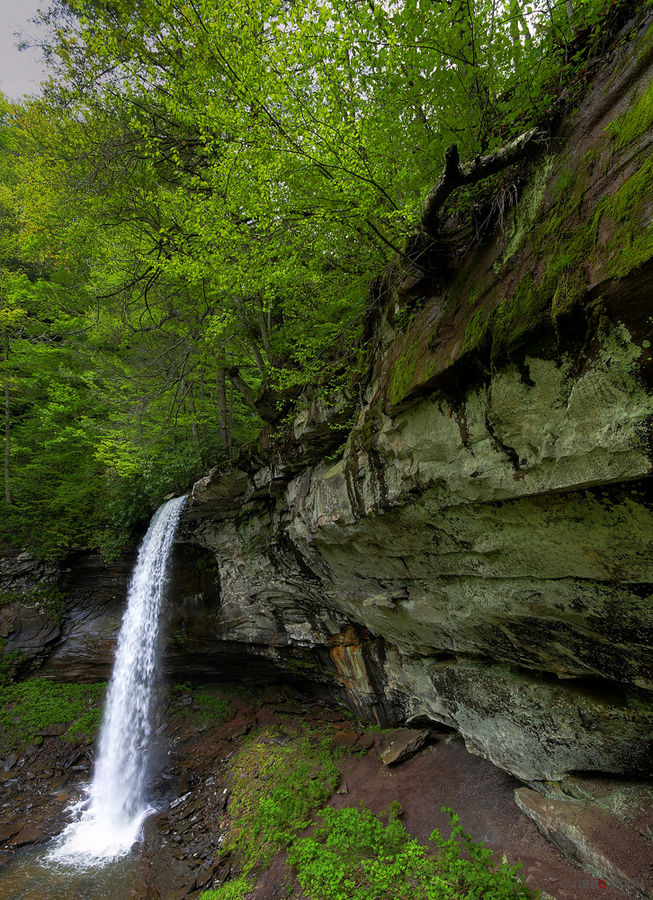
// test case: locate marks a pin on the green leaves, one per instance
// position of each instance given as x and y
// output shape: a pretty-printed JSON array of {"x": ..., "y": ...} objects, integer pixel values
[
  {"x": 207, "y": 189},
  {"x": 354, "y": 856}
]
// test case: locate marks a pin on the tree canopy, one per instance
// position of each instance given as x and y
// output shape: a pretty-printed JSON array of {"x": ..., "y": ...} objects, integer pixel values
[{"x": 195, "y": 209}]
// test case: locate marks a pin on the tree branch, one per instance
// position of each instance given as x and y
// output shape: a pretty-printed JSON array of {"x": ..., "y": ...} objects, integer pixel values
[
  {"x": 455, "y": 175},
  {"x": 241, "y": 386}
]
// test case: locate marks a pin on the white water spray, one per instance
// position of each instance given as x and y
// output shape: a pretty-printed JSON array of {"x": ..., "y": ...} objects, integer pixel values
[{"x": 113, "y": 813}]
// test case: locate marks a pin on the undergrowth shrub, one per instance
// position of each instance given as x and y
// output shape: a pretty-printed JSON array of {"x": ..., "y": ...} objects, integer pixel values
[{"x": 232, "y": 890}]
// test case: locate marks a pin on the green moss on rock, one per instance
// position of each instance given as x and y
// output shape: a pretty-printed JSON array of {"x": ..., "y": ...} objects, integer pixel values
[
  {"x": 476, "y": 331},
  {"x": 635, "y": 122},
  {"x": 527, "y": 213},
  {"x": 632, "y": 242},
  {"x": 402, "y": 373},
  {"x": 515, "y": 318}
]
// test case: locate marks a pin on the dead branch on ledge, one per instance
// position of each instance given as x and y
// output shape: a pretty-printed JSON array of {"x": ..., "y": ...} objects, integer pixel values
[{"x": 455, "y": 175}]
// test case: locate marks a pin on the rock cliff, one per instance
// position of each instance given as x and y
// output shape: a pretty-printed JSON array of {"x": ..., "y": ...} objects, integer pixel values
[{"x": 478, "y": 554}]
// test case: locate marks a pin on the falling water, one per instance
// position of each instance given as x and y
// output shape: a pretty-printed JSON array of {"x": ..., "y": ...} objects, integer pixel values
[{"x": 116, "y": 805}]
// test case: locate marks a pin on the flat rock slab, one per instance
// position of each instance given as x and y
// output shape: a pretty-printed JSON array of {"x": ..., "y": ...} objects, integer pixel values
[
  {"x": 401, "y": 744},
  {"x": 630, "y": 801},
  {"x": 618, "y": 855},
  {"x": 344, "y": 739},
  {"x": 8, "y": 831},
  {"x": 28, "y": 835}
]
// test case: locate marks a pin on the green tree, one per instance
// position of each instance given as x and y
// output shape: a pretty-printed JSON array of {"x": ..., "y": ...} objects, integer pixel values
[{"x": 193, "y": 214}]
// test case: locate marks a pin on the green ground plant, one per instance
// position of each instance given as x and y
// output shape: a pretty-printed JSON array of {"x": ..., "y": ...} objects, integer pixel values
[
  {"x": 232, "y": 890},
  {"x": 212, "y": 708},
  {"x": 86, "y": 727},
  {"x": 33, "y": 705},
  {"x": 275, "y": 790},
  {"x": 355, "y": 856}
]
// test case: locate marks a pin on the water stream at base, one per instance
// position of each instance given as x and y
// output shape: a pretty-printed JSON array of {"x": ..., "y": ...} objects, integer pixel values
[
  {"x": 109, "y": 819},
  {"x": 31, "y": 875}
]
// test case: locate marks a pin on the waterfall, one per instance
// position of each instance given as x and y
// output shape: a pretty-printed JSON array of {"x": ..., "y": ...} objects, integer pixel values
[{"x": 113, "y": 811}]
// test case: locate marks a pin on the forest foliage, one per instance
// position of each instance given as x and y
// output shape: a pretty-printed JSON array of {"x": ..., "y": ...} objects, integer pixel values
[{"x": 193, "y": 211}]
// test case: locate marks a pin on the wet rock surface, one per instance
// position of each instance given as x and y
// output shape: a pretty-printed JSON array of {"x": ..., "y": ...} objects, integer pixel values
[{"x": 36, "y": 790}]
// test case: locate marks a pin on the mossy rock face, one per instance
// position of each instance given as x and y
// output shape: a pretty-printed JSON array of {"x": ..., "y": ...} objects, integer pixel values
[
  {"x": 584, "y": 219},
  {"x": 403, "y": 373},
  {"x": 511, "y": 526},
  {"x": 634, "y": 124}
]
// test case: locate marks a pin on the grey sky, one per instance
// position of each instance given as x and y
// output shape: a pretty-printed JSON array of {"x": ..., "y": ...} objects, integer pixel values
[{"x": 20, "y": 73}]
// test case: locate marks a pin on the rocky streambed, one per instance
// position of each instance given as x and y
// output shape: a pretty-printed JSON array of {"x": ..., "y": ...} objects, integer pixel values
[{"x": 220, "y": 746}]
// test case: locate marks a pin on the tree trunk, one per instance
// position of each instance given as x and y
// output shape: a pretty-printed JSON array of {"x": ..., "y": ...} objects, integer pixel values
[
  {"x": 7, "y": 424},
  {"x": 242, "y": 387},
  {"x": 203, "y": 399},
  {"x": 231, "y": 413},
  {"x": 7, "y": 443},
  {"x": 514, "y": 34},
  {"x": 252, "y": 331},
  {"x": 189, "y": 403},
  {"x": 263, "y": 327},
  {"x": 223, "y": 422},
  {"x": 260, "y": 364}
]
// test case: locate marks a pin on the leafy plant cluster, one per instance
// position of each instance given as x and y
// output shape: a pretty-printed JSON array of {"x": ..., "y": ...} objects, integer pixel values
[
  {"x": 353, "y": 855},
  {"x": 238, "y": 889},
  {"x": 31, "y": 706}
]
